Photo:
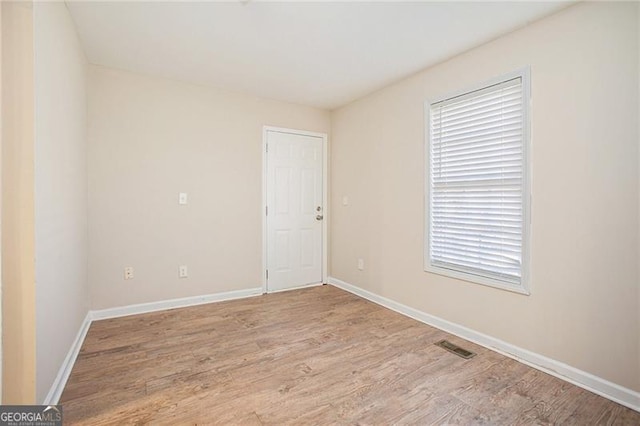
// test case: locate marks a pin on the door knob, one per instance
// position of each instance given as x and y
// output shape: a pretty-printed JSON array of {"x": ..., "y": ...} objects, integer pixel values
[{"x": 319, "y": 217}]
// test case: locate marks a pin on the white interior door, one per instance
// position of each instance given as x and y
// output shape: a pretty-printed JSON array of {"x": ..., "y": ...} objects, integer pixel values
[{"x": 294, "y": 210}]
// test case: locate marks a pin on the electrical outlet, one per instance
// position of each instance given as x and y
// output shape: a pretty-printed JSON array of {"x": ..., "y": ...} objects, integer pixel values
[
  {"x": 360, "y": 264},
  {"x": 182, "y": 271},
  {"x": 128, "y": 273}
]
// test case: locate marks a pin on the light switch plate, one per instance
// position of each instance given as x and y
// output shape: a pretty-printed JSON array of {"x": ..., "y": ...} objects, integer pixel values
[
  {"x": 182, "y": 198},
  {"x": 345, "y": 200}
]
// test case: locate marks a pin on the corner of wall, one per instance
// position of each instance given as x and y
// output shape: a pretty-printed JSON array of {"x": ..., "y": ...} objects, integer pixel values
[{"x": 61, "y": 237}]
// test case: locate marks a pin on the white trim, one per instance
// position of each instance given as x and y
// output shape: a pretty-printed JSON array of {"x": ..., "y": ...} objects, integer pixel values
[
  {"x": 163, "y": 305},
  {"x": 59, "y": 383},
  {"x": 524, "y": 286},
  {"x": 621, "y": 395},
  {"x": 263, "y": 206},
  {"x": 325, "y": 198}
]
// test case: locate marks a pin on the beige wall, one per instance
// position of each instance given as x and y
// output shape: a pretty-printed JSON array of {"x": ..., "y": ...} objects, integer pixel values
[
  {"x": 584, "y": 305},
  {"x": 151, "y": 138},
  {"x": 1, "y": 362},
  {"x": 18, "y": 277},
  {"x": 62, "y": 294}
]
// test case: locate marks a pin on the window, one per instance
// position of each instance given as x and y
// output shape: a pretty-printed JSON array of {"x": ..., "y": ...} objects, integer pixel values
[{"x": 477, "y": 184}]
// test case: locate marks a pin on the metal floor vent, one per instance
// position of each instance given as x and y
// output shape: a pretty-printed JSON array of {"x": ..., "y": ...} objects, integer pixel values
[{"x": 445, "y": 344}]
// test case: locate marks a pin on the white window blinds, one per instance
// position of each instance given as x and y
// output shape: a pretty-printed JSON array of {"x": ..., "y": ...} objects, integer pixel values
[{"x": 477, "y": 172}]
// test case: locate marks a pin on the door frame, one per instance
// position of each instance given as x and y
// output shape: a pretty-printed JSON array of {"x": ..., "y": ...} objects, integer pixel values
[{"x": 325, "y": 198}]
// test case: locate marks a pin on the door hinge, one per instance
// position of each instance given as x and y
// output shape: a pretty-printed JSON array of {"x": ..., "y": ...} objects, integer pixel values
[
  {"x": 266, "y": 210},
  {"x": 267, "y": 274},
  {"x": 267, "y": 146}
]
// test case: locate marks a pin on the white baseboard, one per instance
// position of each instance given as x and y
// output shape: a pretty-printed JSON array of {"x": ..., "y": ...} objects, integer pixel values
[
  {"x": 59, "y": 383},
  {"x": 621, "y": 395},
  {"x": 162, "y": 305},
  {"x": 57, "y": 387}
]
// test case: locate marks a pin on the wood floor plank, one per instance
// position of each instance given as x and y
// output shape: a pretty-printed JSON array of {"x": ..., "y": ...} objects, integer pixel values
[{"x": 312, "y": 356}]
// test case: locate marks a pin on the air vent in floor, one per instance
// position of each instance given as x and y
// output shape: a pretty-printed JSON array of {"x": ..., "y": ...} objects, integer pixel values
[{"x": 445, "y": 344}]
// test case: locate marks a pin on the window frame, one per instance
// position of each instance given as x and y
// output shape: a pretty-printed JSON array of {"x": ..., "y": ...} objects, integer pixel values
[{"x": 525, "y": 280}]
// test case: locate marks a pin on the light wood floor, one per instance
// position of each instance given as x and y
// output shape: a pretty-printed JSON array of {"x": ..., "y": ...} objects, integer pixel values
[{"x": 313, "y": 356}]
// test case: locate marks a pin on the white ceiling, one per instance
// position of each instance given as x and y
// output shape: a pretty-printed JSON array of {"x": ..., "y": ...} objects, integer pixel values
[{"x": 320, "y": 54}]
